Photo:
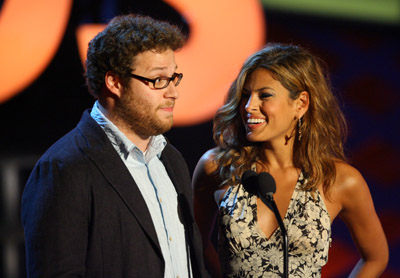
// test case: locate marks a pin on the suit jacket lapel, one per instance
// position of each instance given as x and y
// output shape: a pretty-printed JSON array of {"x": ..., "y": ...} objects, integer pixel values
[
  {"x": 177, "y": 175},
  {"x": 104, "y": 156},
  {"x": 166, "y": 160}
]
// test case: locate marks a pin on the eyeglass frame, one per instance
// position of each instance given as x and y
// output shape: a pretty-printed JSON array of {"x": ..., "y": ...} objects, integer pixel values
[{"x": 153, "y": 81}]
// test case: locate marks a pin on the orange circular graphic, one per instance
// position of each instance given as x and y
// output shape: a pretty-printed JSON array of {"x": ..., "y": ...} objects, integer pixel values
[{"x": 30, "y": 33}]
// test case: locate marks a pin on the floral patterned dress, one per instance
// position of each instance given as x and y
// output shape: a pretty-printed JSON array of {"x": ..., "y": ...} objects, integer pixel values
[{"x": 244, "y": 249}]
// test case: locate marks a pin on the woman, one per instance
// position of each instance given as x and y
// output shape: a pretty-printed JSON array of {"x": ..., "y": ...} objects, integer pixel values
[{"x": 281, "y": 117}]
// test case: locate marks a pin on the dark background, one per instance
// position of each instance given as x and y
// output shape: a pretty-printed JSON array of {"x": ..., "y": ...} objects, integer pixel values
[{"x": 364, "y": 60}]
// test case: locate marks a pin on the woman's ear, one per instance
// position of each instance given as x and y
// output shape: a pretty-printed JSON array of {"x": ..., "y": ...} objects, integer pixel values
[
  {"x": 113, "y": 84},
  {"x": 302, "y": 103}
]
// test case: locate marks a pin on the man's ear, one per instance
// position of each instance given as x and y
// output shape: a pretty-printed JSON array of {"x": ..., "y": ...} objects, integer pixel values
[
  {"x": 113, "y": 84},
  {"x": 302, "y": 103}
]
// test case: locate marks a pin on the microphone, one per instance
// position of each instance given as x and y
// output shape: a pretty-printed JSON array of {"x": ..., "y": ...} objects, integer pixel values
[
  {"x": 266, "y": 188},
  {"x": 250, "y": 182},
  {"x": 263, "y": 185},
  {"x": 266, "y": 184},
  {"x": 257, "y": 184}
]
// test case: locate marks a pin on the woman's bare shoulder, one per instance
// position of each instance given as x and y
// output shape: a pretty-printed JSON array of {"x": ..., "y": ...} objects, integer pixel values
[
  {"x": 206, "y": 172},
  {"x": 206, "y": 163},
  {"x": 349, "y": 183},
  {"x": 347, "y": 177}
]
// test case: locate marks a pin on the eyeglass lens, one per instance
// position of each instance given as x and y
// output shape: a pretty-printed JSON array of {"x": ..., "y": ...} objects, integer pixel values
[{"x": 163, "y": 82}]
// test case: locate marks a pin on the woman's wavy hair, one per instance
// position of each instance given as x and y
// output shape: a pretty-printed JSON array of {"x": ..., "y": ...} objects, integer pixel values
[
  {"x": 115, "y": 48},
  {"x": 323, "y": 131}
]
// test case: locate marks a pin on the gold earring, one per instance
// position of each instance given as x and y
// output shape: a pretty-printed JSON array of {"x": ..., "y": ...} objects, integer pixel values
[{"x": 299, "y": 124}]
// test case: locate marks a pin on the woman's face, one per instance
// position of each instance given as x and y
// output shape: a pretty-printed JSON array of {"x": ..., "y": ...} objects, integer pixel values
[{"x": 267, "y": 111}]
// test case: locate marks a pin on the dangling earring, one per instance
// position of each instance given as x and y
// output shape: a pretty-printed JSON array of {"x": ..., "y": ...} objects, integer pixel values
[{"x": 299, "y": 124}]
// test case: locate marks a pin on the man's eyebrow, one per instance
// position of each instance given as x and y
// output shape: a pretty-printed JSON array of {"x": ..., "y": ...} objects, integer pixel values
[{"x": 161, "y": 68}]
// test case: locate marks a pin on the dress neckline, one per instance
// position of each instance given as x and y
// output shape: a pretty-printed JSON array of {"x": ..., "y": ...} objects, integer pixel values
[{"x": 292, "y": 198}]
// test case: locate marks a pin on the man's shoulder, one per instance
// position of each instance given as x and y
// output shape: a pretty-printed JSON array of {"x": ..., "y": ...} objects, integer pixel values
[
  {"x": 64, "y": 149},
  {"x": 71, "y": 145}
]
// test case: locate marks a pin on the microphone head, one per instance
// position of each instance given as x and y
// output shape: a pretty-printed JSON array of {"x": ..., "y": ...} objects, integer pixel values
[
  {"x": 266, "y": 184},
  {"x": 250, "y": 180}
]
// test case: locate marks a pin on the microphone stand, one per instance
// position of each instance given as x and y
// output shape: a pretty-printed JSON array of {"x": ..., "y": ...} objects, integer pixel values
[{"x": 271, "y": 201}]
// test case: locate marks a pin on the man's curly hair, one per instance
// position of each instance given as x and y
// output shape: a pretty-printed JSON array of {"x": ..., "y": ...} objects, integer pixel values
[{"x": 114, "y": 49}]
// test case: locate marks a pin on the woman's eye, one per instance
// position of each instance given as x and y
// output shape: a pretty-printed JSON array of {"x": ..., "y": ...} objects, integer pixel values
[{"x": 264, "y": 95}]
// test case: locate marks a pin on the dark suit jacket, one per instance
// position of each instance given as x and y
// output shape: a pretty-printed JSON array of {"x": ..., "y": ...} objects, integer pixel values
[{"x": 84, "y": 216}]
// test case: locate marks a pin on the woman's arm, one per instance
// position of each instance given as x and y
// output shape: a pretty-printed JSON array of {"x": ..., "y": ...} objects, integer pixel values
[
  {"x": 359, "y": 214},
  {"x": 205, "y": 184}
]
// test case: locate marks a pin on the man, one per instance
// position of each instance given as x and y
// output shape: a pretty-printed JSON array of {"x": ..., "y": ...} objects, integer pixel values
[{"x": 112, "y": 198}]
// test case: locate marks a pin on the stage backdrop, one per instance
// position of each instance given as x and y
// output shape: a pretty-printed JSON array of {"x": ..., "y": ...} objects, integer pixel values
[{"x": 43, "y": 92}]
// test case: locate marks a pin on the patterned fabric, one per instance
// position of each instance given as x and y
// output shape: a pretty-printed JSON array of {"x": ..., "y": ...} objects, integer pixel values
[{"x": 244, "y": 249}]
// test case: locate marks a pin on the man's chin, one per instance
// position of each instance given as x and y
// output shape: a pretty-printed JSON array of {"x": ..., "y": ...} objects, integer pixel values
[
  {"x": 165, "y": 126},
  {"x": 168, "y": 126}
]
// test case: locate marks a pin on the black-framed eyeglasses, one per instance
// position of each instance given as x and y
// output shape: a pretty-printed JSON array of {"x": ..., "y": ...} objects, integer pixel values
[{"x": 159, "y": 82}]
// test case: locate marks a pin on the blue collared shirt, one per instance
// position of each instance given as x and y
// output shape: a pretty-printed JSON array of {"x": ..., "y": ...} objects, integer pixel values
[{"x": 157, "y": 190}]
